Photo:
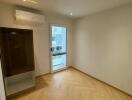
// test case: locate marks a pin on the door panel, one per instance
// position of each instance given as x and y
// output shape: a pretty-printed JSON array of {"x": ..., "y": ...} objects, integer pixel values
[{"x": 59, "y": 47}]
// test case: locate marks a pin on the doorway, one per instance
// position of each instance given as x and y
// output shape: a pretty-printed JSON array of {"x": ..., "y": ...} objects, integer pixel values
[{"x": 58, "y": 48}]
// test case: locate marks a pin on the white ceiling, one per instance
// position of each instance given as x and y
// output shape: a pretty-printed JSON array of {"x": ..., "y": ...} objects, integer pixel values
[{"x": 79, "y": 8}]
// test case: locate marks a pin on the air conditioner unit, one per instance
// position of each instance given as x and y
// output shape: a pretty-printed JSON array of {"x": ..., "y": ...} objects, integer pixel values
[{"x": 29, "y": 16}]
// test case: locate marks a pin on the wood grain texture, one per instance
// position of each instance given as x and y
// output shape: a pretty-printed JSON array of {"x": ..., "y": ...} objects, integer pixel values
[{"x": 71, "y": 85}]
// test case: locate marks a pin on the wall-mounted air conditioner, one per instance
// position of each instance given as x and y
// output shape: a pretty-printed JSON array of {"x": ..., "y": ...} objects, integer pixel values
[{"x": 29, "y": 16}]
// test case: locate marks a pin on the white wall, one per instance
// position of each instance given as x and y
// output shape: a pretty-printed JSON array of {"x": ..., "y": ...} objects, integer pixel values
[
  {"x": 103, "y": 46},
  {"x": 2, "y": 92},
  {"x": 41, "y": 35}
]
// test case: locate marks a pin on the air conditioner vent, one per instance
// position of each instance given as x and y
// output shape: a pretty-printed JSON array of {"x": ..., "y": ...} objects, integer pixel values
[{"x": 29, "y": 16}]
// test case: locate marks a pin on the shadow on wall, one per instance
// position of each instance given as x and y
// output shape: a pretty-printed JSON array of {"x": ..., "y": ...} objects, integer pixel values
[{"x": 37, "y": 69}]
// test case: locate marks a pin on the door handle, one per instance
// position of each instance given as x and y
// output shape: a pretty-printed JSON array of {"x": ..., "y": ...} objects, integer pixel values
[
  {"x": 58, "y": 54},
  {"x": 52, "y": 49}
]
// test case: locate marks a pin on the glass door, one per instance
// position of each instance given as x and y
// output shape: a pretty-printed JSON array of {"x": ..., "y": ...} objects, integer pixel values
[{"x": 58, "y": 48}]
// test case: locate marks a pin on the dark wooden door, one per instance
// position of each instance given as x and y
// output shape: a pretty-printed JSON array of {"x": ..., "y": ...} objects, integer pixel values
[{"x": 17, "y": 45}]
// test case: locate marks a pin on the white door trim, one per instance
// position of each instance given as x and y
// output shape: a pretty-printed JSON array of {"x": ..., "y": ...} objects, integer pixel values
[{"x": 51, "y": 67}]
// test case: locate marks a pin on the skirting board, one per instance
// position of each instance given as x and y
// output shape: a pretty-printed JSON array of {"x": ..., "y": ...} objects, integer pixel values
[
  {"x": 52, "y": 72},
  {"x": 101, "y": 81}
]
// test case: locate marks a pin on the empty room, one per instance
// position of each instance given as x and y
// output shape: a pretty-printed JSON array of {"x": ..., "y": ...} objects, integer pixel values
[{"x": 65, "y": 49}]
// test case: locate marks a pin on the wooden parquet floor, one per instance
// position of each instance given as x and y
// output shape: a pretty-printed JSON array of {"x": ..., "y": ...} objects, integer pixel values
[{"x": 71, "y": 85}]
